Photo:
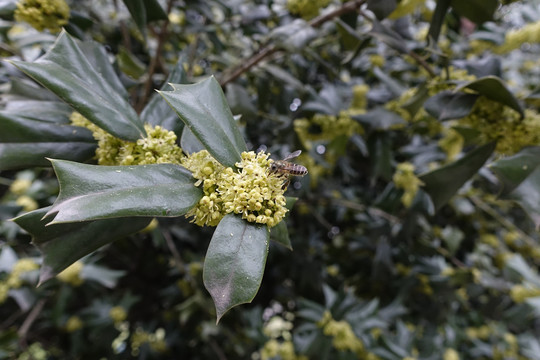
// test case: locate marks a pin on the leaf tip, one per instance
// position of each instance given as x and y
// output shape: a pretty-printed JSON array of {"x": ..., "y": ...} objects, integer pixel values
[{"x": 46, "y": 273}]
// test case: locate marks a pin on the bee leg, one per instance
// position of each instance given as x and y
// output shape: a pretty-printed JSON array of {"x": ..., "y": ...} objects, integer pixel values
[{"x": 286, "y": 184}]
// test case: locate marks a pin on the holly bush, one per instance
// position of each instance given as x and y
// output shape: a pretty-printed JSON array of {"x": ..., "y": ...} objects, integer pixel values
[{"x": 146, "y": 211}]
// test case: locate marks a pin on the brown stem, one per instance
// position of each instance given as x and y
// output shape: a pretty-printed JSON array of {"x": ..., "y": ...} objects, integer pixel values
[
  {"x": 32, "y": 316},
  {"x": 174, "y": 251},
  {"x": 162, "y": 35},
  {"x": 271, "y": 48}
]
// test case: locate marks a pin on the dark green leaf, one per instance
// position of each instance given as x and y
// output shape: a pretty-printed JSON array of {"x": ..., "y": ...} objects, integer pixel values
[
  {"x": 443, "y": 183},
  {"x": 66, "y": 71},
  {"x": 417, "y": 101},
  {"x": 144, "y": 12},
  {"x": 49, "y": 111},
  {"x": 381, "y": 8},
  {"x": 235, "y": 261},
  {"x": 478, "y": 11},
  {"x": 527, "y": 195},
  {"x": 240, "y": 102},
  {"x": 129, "y": 64},
  {"x": 90, "y": 192},
  {"x": 448, "y": 105},
  {"x": 189, "y": 143},
  {"x": 294, "y": 35},
  {"x": 379, "y": 119},
  {"x": 493, "y": 88},
  {"x": 97, "y": 56},
  {"x": 27, "y": 143},
  {"x": 394, "y": 87},
  {"x": 138, "y": 14},
  {"x": 389, "y": 37},
  {"x": 280, "y": 234},
  {"x": 157, "y": 111},
  {"x": 63, "y": 244},
  {"x": 437, "y": 20},
  {"x": 380, "y": 150},
  {"x": 204, "y": 110},
  {"x": 513, "y": 170}
]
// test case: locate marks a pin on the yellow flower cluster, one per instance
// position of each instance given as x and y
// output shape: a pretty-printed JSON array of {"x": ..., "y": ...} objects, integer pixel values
[
  {"x": 359, "y": 98},
  {"x": 450, "y": 354},
  {"x": 276, "y": 328},
  {"x": 73, "y": 324},
  {"x": 307, "y": 9},
  {"x": 72, "y": 274},
  {"x": 496, "y": 121},
  {"x": 435, "y": 85},
  {"x": 520, "y": 293},
  {"x": 452, "y": 143},
  {"x": 322, "y": 127},
  {"x": 343, "y": 337},
  {"x": 158, "y": 147},
  {"x": 155, "y": 340},
  {"x": 529, "y": 33},
  {"x": 251, "y": 191},
  {"x": 284, "y": 350},
  {"x": 209, "y": 211},
  {"x": 482, "y": 332},
  {"x": 118, "y": 314},
  {"x": 14, "y": 280},
  {"x": 404, "y": 178},
  {"x": 43, "y": 14},
  {"x": 19, "y": 187}
]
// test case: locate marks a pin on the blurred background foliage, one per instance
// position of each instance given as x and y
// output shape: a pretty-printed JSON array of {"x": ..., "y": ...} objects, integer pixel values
[{"x": 402, "y": 247}]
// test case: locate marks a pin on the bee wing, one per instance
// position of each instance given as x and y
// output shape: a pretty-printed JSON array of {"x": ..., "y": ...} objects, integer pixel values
[{"x": 293, "y": 155}]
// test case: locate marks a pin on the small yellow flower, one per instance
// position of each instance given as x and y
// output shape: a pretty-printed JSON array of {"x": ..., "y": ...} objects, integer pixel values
[
  {"x": 343, "y": 336},
  {"x": 118, "y": 314},
  {"x": 404, "y": 178},
  {"x": 450, "y": 354},
  {"x": 73, "y": 324},
  {"x": 158, "y": 147},
  {"x": 43, "y": 14},
  {"x": 20, "y": 186},
  {"x": 452, "y": 143},
  {"x": 27, "y": 203},
  {"x": 4, "y": 291},
  {"x": 307, "y": 9},
  {"x": 71, "y": 274},
  {"x": 322, "y": 127}
]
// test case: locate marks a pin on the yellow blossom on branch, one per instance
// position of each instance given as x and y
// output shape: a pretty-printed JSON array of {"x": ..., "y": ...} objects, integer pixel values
[
  {"x": 43, "y": 14},
  {"x": 404, "y": 178},
  {"x": 251, "y": 190}
]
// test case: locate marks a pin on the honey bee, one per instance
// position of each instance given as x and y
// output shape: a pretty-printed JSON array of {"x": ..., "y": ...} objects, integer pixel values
[{"x": 287, "y": 169}]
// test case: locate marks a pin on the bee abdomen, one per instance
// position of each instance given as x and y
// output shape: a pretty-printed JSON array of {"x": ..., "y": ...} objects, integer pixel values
[{"x": 299, "y": 171}]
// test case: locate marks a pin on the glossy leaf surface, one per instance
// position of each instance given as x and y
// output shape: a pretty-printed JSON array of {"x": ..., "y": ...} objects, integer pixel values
[
  {"x": 204, "y": 110},
  {"x": 493, "y": 88},
  {"x": 26, "y": 142},
  {"x": 234, "y": 263},
  {"x": 90, "y": 192},
  {"x": 448, "y": 105},
  {"x": 63, "y": 244},
  {"x": 443, "y": 183},
  {"x": 67, "y": 72},
  {"x": 520, "y": 177}
]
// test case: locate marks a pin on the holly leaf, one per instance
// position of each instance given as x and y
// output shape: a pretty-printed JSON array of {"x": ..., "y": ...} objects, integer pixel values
[
  {"x": 91, "y": 192},
  {"x": 204, "y": 110},
  {"x": 234, "y": 263}
]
